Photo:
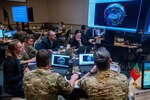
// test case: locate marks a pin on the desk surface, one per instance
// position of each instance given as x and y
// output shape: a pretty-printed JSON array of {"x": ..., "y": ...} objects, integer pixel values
[
  {"x": 133, "y": 90},
  {"x": 124, "y": 45},
  {"x": 5, "y": 41}
]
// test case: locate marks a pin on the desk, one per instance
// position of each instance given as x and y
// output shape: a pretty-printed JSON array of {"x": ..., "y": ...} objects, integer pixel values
[
  {"x": 133, "y": 91},
  {"x": 124, "y": 45}
]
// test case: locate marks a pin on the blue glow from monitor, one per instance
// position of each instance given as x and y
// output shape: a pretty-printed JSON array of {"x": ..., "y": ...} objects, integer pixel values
[
  {"x": 60, "y": 60},
  {"x": 146, "y": 81},
  {"x": 8, "y": 34},
  {"x": 127, "y": 25},
  {"x": 13, "y": 32},
  {"x": 1, "y": 33},
  {"x": 149, "y": 29},
  {"x": 19, "y": 14}
]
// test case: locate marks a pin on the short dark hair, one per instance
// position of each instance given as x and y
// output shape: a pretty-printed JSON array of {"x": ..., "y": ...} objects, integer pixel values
[
  {"x": 20, "y": 36},
  {"x": 42, "y": 58},
  {"x": 77, "y": 31},
  {"x": 101, "y": 58},
  {"x": 62, "y": 23},
  {"x": 28, "y": 37}
]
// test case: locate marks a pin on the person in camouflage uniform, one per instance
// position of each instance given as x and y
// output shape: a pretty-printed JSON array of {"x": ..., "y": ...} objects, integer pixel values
[
  {"x": 30, "y": 52},
  {"x": 106, "y": 84},
  {"x": 44, "y": 84}
]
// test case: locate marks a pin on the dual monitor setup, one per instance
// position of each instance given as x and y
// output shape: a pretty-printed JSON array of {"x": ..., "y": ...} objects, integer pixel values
[{"x": 60, "y": 63}]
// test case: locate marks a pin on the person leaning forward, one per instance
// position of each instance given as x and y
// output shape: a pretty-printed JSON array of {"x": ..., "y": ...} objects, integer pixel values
[
  {"x": 44, "y": 84},
  {"x": 106, "y": 84}
]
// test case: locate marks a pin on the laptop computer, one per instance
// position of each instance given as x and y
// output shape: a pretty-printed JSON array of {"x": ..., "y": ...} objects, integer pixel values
[
  {"x": 86, "y": 62},
  {"x": 1, "y": 34},
  {"x": 8, "y": 34},
  {"x": 145, "y": 75},
  {"x": 13, "y": 32},
  {"x": 60, "y": 63}
]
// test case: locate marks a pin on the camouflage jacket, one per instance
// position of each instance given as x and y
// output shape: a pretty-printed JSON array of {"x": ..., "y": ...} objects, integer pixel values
[
  {"x": 30, "y": 52},
  {"x": 41, "y": 84},
  {"x": 106, "y": 85}
]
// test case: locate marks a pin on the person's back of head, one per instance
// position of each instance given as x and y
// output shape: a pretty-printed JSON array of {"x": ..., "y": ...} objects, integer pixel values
[
  {"x": 19, "y": 36},
  {"x": 83, "y": 27},
  {"x": 42, "y": 58},
  {"x": 102, "y": 59}
]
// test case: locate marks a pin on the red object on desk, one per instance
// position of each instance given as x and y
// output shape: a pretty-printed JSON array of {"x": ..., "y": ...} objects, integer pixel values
[{"x": 135, "y": 72}]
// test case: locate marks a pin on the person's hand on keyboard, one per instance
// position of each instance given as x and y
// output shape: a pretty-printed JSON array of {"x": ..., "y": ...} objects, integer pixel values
[
  {"x": 74, "y": 77},
  {"x": 92, "y": 71}
]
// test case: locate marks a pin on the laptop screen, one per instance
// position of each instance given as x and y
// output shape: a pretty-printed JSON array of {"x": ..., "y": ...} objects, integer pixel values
[
  {"x": 1, "y": 33},
  {"x": 60, "y": 60},
  {"x": 13, "y": 32},
  {"x": 146, "y": 75},
  {"x": 8, "y": 34},
  {"x": 86, "y": 59}
]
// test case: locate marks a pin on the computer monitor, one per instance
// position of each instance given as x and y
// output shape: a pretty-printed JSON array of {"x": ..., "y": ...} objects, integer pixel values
[
  {"x": 145, "y": 75},
  {"x": 8, "y": 34},
  {"x": 13, "y": 32},
  {"x": 60, "y": 60},
  {"x": 118, "y": 15},
  {"x": 86, "y": 59},
  {"x": 1, "y": 33}
]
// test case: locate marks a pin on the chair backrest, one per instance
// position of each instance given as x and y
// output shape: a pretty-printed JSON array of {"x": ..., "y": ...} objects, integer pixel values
[{"x": 37, "y": 44}]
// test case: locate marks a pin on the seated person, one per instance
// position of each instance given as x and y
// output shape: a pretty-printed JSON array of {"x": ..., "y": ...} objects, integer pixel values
[
  {"x": 50, "y": 42},
  {"x": 62, "y": 27},
  {"x": 29, "y": 55},
  {"x": 30, "y": 52},
  {"x": 44, "y": 84},
  {"x": 84, "y": 34},
  {"x": 95, "y": 32},
  {"x": 76, "y": 41},
  {"x": 12, "y": 69},
  {"x": 106, "y": 84}
]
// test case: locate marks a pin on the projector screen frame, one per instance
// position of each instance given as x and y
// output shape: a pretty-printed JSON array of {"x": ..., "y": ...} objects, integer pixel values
[
  {"x": 91, "y": 16},
  {"x": 18, "y": 1}
]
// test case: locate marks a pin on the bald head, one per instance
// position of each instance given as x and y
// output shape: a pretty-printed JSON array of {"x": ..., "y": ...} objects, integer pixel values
[{"x": 51, "y": 35}]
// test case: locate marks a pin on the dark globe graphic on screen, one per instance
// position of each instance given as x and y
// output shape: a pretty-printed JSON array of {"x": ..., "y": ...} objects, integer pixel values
[
  {"x": 61, "y": 60},
  {"x": 114, "y": 14},
  {"x": 89, "y": 58}
]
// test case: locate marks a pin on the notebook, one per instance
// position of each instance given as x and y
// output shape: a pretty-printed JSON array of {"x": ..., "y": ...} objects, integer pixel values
[
  {"x": 145, "y": 75},
  {"x": 60, "y": 63}
]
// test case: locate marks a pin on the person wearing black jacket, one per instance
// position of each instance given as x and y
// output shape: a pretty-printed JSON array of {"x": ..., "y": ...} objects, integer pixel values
[
  {"x": 50, "y": 42},
  {"x": 12, "y": 69}
]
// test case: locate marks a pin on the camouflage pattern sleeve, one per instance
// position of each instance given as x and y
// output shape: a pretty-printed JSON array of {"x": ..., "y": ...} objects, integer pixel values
[
  {"x": 31, "y": 51},
  {"x": 82, "y": 83},
  {"x": 64, "y": 86},
  {"x": 124, "y": 82}
]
